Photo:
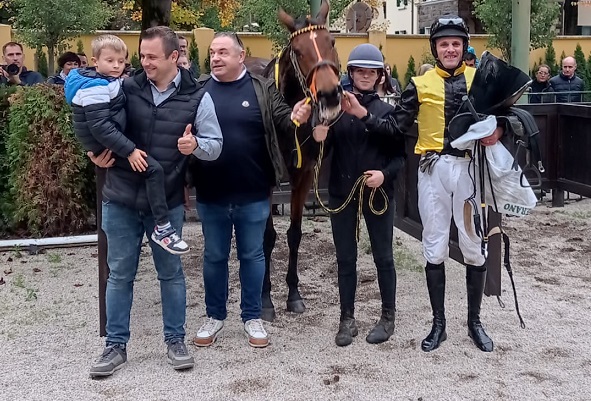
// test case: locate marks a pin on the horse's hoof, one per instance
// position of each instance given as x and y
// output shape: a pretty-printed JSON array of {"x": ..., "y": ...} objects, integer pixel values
[
  {"x": 296, "y": 306},
  {"x": 268, "y": 314}
]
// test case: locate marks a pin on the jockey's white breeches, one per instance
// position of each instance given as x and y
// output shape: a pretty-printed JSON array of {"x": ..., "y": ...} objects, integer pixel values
[{"x": 442, "y": 194}]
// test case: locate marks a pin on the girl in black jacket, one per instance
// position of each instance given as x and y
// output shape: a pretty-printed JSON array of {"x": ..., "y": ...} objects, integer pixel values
[{"x": 361, "y": 146}]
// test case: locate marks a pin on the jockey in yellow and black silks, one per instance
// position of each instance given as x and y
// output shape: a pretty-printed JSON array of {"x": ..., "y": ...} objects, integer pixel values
[{"x": 444, "y": 182}]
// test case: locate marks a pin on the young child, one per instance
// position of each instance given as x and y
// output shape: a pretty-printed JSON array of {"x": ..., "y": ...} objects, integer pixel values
[{"x": 98, "y": 105}]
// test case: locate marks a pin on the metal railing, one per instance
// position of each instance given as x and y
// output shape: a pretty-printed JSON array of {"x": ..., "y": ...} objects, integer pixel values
[{"x": 559, "y": 97}]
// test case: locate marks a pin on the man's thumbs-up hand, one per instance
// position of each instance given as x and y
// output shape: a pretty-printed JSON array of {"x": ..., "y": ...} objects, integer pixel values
[{"x": 188, "y": 142}]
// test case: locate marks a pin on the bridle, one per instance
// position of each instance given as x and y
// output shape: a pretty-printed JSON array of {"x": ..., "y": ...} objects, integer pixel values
[{"x": 308, "y": 82}]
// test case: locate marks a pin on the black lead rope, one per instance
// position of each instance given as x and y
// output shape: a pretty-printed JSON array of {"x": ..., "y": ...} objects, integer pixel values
[{"x": 507, "y": 264}]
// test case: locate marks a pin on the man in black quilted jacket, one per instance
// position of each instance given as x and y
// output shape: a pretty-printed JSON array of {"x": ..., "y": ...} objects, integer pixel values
[
  {"x": 169, "y": 117},
  {"x": 567, "y": 84},
  {"x": 98, "y": 102}
]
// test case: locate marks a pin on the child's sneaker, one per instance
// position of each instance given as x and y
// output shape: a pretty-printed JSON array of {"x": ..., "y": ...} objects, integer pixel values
[{"x": 170, "y": 241}]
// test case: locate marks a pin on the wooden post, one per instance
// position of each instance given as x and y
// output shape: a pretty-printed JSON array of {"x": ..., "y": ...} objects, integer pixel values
[
  {"x": 494, "y": 267},
  {"x": 103, "y": 268}
]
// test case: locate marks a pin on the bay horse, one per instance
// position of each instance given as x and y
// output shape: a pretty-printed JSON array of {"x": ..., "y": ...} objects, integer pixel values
[{"x": 308, "y": 67}]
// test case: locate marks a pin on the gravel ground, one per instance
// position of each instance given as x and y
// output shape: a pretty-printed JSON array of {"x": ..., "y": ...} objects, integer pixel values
[{"x": 49, "y": 331}]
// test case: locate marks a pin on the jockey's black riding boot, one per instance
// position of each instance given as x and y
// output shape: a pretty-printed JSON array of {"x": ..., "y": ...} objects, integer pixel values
[
  {"x": 475, "y": 279},
  {"x": 347, "y": 328},
  {"x": 383, "y": 329},
  {"x": 436, "y": 285}
]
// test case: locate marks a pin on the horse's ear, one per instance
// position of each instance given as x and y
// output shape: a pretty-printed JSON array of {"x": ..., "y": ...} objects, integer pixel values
[
  {"x": 286, "y": 19},
  {"x": 323, "y": 13}
]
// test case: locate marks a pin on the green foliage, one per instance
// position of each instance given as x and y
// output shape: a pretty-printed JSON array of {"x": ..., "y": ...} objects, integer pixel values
[
  {"x": 52, "y": 23},
  {"x": 496, "y": 17},
  {"x": 49, "y": 181},
  {"x": 562, "y": 57},
  {"x": 586, "y": 75},
  {"x": 580, "y": 58},
  {"x": 550, "y": 60},
  {"x": 264, "y": 12},
  {"x": 410, "y": 70},
  {"x": 427, "y": 58},
  {"x": 194, "y": 57},
  {"x": 79, "y": 46},
  {"x": 206, "y": 62},
  {"x": 135, "y": 61},
  {"x": 5, "y": 93},
  {"x": 210, "y": 18},
  {"x": 394, "y": 72},
  {"x": 41, "y": 62}
]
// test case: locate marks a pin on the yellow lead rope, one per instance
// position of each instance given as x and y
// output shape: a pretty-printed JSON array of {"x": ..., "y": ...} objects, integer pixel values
[{"x": 358, "y": 187}]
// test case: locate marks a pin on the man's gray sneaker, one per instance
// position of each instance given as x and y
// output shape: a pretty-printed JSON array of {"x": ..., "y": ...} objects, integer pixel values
[
  {"x": 178, "y": 356},
  {"x": 113, "y": 358}
]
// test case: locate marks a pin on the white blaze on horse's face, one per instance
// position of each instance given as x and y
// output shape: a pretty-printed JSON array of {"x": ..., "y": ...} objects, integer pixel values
[{"x": 316, "y": 61}]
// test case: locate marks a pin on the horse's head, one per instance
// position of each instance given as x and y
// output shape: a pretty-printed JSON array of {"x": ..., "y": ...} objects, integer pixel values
[{"x": 315, "y": 61}]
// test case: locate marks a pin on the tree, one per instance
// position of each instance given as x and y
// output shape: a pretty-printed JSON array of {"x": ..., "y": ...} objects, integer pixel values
[
  {"x": 410, "y": 71},
  {"x": 496, "y": 17},
  {"x": 79, "y": 46},
  {"x": 550, "y": 59},
  {"x": 264, "y": 12},
  {"x": 135, "y": 61},
  {"x": 41, "y": 61},
  {"x": 394, "y": 72},
  {"x": 52, "y": 23},
  {"x": 155, "y": 12},
  {"x": 580, "y": 60},
  {"x": 194, "y": 57},
  {"x": 178, "y": 14}
]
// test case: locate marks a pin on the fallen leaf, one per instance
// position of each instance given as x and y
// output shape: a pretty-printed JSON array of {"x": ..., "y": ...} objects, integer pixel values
[
  {"x": 36, "y": 270},
  {"x": 23, "y": 261},
  {"x": 94, "y": 255},
  {"x": 78, "y": 285},
  {"x": 9, "y": 259},
  {"x": 2, "y": 280},
  {"x": 7, "y": 272},
  {"x": 326, "y": 381}
]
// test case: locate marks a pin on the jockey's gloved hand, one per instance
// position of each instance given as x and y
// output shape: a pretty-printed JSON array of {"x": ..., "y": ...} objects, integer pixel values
[{"x": 427, "y": 162}]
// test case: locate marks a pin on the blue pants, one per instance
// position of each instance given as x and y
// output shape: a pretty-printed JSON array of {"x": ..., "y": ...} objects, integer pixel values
[
  {"x": 249, "y": 221},
  {"x": 125, "y": 228}
]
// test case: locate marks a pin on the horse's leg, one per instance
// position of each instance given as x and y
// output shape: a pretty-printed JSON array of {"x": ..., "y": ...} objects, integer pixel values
[
  {"x": 268, "y": 311},
  {"x": 299, "y": 191}
]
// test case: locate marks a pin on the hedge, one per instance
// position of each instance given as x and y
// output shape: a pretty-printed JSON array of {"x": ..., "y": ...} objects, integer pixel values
[{"x": 46, "y": 181}]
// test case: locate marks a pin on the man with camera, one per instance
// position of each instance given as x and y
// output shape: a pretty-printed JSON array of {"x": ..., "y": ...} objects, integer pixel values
[{"x": 13, "y": 72}]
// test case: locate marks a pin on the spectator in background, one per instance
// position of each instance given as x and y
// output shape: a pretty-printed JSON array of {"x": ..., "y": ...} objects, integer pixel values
[
  {"x": 83, "y": 60},
  {"x": 542, "y": 91},
  {"x": 394, "y": 81},
  {"x": 567, "y": 82},
  {"x": 183, "y": 62},
  {"x": 183, "y": 45},
  {"x": 386, "y": 91},
  {"x": 13, "y": 55},
  {"x": 424, "y": 68},
  {"x": 470, "y": 59},
  {"x": 67, "y": 62}
]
